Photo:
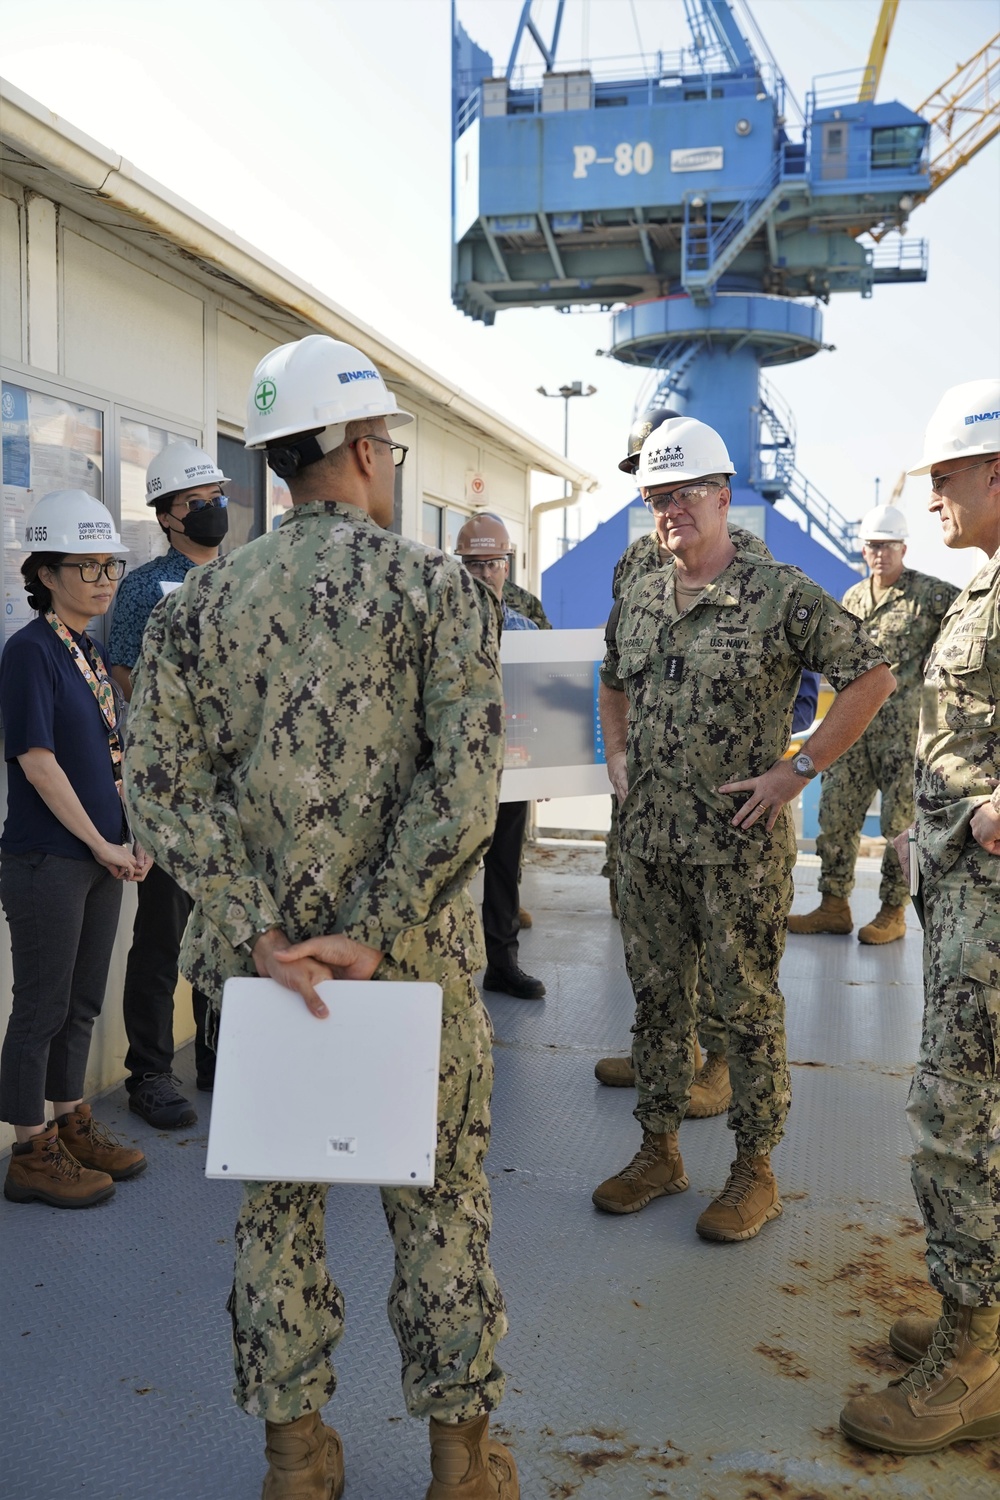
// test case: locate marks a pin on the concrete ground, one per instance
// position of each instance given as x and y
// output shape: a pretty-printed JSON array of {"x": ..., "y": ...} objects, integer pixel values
[{"x": 642, "y": 1361}]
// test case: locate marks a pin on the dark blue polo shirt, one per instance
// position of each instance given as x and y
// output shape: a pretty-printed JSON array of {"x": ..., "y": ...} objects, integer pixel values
[{"x": 47, "y": 704}]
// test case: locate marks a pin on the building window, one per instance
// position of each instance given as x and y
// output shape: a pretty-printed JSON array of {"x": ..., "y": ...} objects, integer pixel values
[
  {"x": 49, "y": 443},
  {"x": 431, "y": 524},
  {"x": 897, "y": 147},
  {"x": 246, "y": 491},
  {"x": 138, "y": 444}
]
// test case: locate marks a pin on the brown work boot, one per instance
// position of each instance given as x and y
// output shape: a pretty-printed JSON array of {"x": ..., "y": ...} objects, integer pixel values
[
  {"x": 889, "y": 925},
  {"x": 951, "y": 1396},
  {"x": 618, "y": 1072},
  {"x": 615, "y": 1072},
  {"x": 655, "y": 1169},
  {"x": 524, "y": 919},
  {"x": 42, "y": 1171},
  {"x": 305, "y": 1460},
  {"x": 711, "y": 1090},
  {"x": 910, "y": 1336},
  {"x": 748, "y": 1201},
  {"x": 833, "y": 914},
  {"x": 467, "y": 1464},
  {"x": 94, "y": 1146}
]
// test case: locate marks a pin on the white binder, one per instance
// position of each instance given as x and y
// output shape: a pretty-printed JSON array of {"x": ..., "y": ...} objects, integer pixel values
[{"x": 352, "y": 1098}]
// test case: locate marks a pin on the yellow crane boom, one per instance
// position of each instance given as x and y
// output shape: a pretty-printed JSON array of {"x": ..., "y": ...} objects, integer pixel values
[
  {"x": 876, "y": 57},
  {"x": 964, "y": 113}
]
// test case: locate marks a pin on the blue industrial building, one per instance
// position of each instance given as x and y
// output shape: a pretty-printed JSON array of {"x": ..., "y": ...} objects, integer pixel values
[
  {"x": 689, "y": 195},
  {"x": 576, "y": 590}
]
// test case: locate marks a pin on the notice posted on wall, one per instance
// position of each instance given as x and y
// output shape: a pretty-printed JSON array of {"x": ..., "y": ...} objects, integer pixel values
[{"x": 550, "y": 685}]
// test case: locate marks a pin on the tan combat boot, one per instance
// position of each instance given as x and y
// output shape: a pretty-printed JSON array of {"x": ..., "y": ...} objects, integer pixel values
[
  {"x": 94, "y": 1146},
  {"x": 618, "y": 1072},
  {"x": 889, "y": 925},
  {"x": 655, "y": 1169},
  {"x": 833, "y": 914},
  {"x": 42, "y": 1171},
  {"x": 951, "y": 1396},
  {"x": 525, "y": 920},
  {"x": 615, "y": 1072},
  {"x": 748, "y": 1201},
  {"x": 305, "y": 1460},
  {"x": 467, "y": 1464},
  {"x": 910, "y": 1336},
  {"x": 711, "y": 1090}
]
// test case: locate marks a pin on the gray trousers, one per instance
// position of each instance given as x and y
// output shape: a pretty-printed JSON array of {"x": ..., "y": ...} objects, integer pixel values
[{"x": 63, "y": 916}]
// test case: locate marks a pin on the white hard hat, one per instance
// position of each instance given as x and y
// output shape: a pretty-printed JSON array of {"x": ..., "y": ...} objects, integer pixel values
[
  {"x": 681, "y": 448},
  {"x": 71, "y": 521},
  {"x": 316, "y": 382},
  {"x": 180, "y": 466},
  {"x": 966, "y": 423},
  {"x": 885, "y": 523}
]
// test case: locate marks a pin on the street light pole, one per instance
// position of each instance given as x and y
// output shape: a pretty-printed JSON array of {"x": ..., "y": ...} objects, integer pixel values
[{"x": 567, "y": 392}]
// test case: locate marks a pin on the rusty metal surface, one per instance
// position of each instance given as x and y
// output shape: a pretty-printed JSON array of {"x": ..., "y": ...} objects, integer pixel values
[{"x": 642, "y": 1361}]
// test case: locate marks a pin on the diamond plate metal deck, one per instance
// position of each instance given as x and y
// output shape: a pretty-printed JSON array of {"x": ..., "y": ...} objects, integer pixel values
[{"x": 642, "y": 1362}]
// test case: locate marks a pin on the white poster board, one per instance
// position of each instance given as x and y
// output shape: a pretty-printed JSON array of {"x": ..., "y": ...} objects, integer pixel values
[{"x": 554, "y": 743}]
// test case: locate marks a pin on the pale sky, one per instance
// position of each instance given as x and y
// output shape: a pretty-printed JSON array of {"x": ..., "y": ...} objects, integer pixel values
[{"x": 319, "y": 131}]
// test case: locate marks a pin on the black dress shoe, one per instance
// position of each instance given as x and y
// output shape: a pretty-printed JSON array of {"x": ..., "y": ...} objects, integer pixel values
[{"x": 510, "y": 980}]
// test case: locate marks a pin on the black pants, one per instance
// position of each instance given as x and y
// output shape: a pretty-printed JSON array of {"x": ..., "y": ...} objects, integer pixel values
[
  {"x": 502, "y": 864},
  {"x": 63, "y": 916},
  {"x": 150, "y": 981}
]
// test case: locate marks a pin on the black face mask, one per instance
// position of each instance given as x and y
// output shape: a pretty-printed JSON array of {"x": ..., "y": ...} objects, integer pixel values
[{"x": 207, "y": 526}]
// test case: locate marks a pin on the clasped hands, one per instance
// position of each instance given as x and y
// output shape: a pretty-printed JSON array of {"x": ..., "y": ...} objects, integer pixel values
[{"x": 301, "y": 966}]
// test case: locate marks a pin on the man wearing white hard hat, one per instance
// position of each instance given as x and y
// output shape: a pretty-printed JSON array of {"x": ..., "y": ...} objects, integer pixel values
[
  {"x": 902, "y": 611},
  {"x": 315, "y": 744},
  {"x": 952, "y": 1392},
  {"x": 184, "y": 488},
  {"x": 697, "y": 690}
]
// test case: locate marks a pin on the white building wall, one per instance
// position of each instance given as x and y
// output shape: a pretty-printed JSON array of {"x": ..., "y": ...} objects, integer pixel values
[{"x": 96, "y": 322}]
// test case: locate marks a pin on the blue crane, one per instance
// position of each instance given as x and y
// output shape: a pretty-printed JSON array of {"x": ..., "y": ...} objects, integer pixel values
[{"x": 676, "y": 194}]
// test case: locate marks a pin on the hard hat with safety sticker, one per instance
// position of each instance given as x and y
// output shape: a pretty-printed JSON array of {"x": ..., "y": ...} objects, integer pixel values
[{"x": 965, "y": 423}]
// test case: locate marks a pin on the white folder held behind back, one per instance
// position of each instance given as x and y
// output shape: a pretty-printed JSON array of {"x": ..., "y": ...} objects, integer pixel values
[{"x": 352, "y": 1098}]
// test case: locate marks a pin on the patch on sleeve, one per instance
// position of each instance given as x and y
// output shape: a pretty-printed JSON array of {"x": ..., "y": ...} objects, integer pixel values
[
  {"x": 801, "y": 616},
  {"x": 611, "y": 628}
]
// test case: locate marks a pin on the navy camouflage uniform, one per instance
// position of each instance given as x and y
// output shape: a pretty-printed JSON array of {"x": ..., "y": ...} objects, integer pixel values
[
  {"x": 710, "y": 693},
  {"x": 904, "y": 622},
  {"x": 316, "y": 737},
  {"x": 954, "y": 1102}
]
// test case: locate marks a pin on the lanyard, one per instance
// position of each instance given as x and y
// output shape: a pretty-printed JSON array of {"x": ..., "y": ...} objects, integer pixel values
[{"x": 97, "y": 680}]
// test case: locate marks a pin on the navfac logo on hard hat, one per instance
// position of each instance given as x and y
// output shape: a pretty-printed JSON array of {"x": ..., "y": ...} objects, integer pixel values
[
  {"x": 982, "y": 416},
  {"x": 346, "y": 376}
]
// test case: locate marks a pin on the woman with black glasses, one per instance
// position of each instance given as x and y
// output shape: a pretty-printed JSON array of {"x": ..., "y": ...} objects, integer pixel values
[{"x": 64, "y": 852}]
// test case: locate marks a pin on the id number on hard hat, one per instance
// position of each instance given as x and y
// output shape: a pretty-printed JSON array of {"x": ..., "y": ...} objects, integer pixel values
[{"x": 36, "y": 533}]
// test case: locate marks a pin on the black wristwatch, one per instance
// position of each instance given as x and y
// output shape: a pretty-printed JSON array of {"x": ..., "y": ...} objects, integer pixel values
[{"x": 802, "y": 765}]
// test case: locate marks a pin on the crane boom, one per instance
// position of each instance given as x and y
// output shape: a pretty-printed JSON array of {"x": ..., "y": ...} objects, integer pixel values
[
  {"x": 964, "y": 113},
  {"x": 876, "y": 57}
]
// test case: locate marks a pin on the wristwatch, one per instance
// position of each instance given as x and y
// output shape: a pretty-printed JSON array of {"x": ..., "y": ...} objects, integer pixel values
[{"x": 802, "y": 765}]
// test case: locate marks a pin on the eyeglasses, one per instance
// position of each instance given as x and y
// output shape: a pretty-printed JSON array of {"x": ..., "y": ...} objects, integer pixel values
[
  {"x": 91, "y": 570},
  {"x": 881, "y": 546},
  {"x": 484, "y": 564},
  {"x": 938, "y": 481},
  {"x": 691, "y": 494},
  {"x": 198, "y": 504},
  {"x": 399, "y": 450}
]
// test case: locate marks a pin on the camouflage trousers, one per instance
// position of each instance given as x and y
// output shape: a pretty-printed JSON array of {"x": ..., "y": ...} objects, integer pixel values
[
  {"x": 711, "y": 1028},
  {"x": 873, "y": 763},
  {"x": 954, "y": 1101},
  {"x": 445, "y": 1306},
  {"x": 734, "y": 916}
]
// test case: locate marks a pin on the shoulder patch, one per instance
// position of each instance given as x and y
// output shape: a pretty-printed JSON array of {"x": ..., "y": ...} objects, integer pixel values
[{"x": 801, "y": 613}]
